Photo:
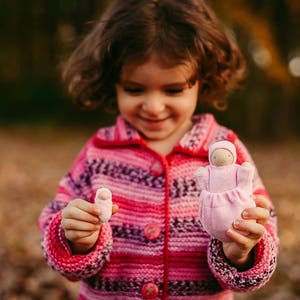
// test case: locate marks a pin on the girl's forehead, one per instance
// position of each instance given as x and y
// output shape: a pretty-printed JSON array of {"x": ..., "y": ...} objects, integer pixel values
[
  {"x": 165, "y": 60},
  {"x": 157, "y": 64}
]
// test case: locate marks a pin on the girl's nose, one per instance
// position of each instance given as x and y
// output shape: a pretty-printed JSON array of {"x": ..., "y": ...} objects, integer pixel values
[{"x": 153, "y": 105}]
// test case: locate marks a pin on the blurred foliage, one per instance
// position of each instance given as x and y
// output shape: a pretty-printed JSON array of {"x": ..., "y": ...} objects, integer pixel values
[
  {"x": 36, "y": 36},
  {"x": 267, "y": 32}
]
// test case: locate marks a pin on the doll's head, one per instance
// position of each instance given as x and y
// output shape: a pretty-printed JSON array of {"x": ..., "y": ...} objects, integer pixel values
[
  {"x": 131, "y": 31},
  {"x": 222, "y": 153}
]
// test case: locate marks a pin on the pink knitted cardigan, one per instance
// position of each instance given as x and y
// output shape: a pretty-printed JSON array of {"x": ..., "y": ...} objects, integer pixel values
[{"x": 155, "y": 247}]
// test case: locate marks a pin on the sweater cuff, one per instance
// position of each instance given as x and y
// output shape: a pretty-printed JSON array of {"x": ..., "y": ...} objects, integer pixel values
[
  {"x": 230, "y": 278},
  {"x": 57, "y": 252}
]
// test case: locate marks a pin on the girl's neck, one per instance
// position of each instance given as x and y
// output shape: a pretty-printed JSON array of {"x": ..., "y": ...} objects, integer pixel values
[
  {"x": 166, "y": 145},
  {"x": 162, "y": 147}
]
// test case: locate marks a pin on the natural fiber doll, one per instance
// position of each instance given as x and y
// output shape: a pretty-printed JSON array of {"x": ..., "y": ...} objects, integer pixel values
[
  {"x": 103, "y": 199},
  {"x": 226, "y": 189}
]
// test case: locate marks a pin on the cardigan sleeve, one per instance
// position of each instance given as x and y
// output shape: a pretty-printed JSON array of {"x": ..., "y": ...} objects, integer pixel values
[
  {"x": 56, "y": 248},
  {"x": 230, "y": 278},
  {"x": 59, "y": 256},
  {"x": 265, "y": 251}
]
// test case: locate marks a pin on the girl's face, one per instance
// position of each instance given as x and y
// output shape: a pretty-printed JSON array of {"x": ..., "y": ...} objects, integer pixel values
[{"x": 158, "y": 101}]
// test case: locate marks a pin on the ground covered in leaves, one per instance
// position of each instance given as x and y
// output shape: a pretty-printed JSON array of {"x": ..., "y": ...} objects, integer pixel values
[{"x": 34, "y": 159}]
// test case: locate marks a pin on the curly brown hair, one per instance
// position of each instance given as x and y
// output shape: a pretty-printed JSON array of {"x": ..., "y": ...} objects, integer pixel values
[{"x": 177, "y": 30}]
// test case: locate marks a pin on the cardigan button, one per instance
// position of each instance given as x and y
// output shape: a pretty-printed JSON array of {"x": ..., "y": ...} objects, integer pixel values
[
  {"x": 157, "y": 169},
  {"x": 152, "y": 231},
  {"x": 150, "y": 290}
]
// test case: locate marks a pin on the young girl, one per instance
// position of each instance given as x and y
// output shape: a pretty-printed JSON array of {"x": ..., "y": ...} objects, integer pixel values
[{"x": 158, "y": 60}]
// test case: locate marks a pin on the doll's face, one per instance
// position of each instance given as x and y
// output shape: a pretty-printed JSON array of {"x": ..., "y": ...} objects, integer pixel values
[{"x": 221, "y": 157}]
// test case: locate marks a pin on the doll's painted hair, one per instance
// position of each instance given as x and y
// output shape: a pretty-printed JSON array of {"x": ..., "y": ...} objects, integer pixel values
[{"x": 178, "y": 31}]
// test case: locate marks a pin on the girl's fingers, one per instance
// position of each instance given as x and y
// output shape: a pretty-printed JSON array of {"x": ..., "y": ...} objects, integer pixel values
[
  {"x": 74, "y": 212},
  {"x": 72, "y": 224},
  {"x": 91, "y": 208},
  {"x": 115, "y": 209},
  {"x": 237, "y": 237},
  {"x": 86, "y": 206},
  {"x": 262, "y": 201},
  {"x": 251, "y": 228},
  {"x": 76, "y": 235},
  {"x": 261, "y": 215},
  {"x": 82, "y": 215}
]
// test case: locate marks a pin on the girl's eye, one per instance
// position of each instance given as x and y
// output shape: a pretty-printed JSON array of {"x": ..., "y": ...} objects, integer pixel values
[
  {"x": 174, "y": 91},
  {"x": 133, "y": 90}
]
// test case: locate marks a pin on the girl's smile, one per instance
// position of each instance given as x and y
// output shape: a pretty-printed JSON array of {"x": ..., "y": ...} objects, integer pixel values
[{"x": 158, "y": 101}]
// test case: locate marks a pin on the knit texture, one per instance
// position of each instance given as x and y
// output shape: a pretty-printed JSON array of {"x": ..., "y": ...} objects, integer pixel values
[{"x": 157, "y": 236}]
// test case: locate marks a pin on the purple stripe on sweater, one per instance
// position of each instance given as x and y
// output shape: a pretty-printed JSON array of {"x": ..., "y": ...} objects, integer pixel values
[
  {"x": 123, "y": 172},
  {"x": 177, "y": 226},
  {"x": 180, "y": 187},
  {"x": 134, "y": 285}
]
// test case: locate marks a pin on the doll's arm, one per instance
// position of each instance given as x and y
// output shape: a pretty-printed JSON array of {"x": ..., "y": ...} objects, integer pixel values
[
  {"x": 245, "y": 175},
  {"x": 202, "y": 178}
]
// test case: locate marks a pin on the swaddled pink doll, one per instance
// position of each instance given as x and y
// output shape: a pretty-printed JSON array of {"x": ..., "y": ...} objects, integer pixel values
[{"x": 226, "y": 189}]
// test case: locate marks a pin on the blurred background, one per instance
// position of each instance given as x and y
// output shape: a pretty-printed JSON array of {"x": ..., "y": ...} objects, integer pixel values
[{"x": 41, "y": 130}]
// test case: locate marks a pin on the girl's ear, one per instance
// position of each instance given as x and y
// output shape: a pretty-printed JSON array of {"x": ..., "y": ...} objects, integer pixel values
[{"x": 220, "y": 104}]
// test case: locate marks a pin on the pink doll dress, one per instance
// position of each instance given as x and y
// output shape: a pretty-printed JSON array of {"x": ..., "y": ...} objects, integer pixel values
[{"x": 226, "y": 192}]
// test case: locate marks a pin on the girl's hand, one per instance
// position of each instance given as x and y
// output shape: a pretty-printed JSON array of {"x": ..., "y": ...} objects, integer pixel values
[
  {"x": 81, "y": 224},
  {"x": 238, "y": 252}
]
